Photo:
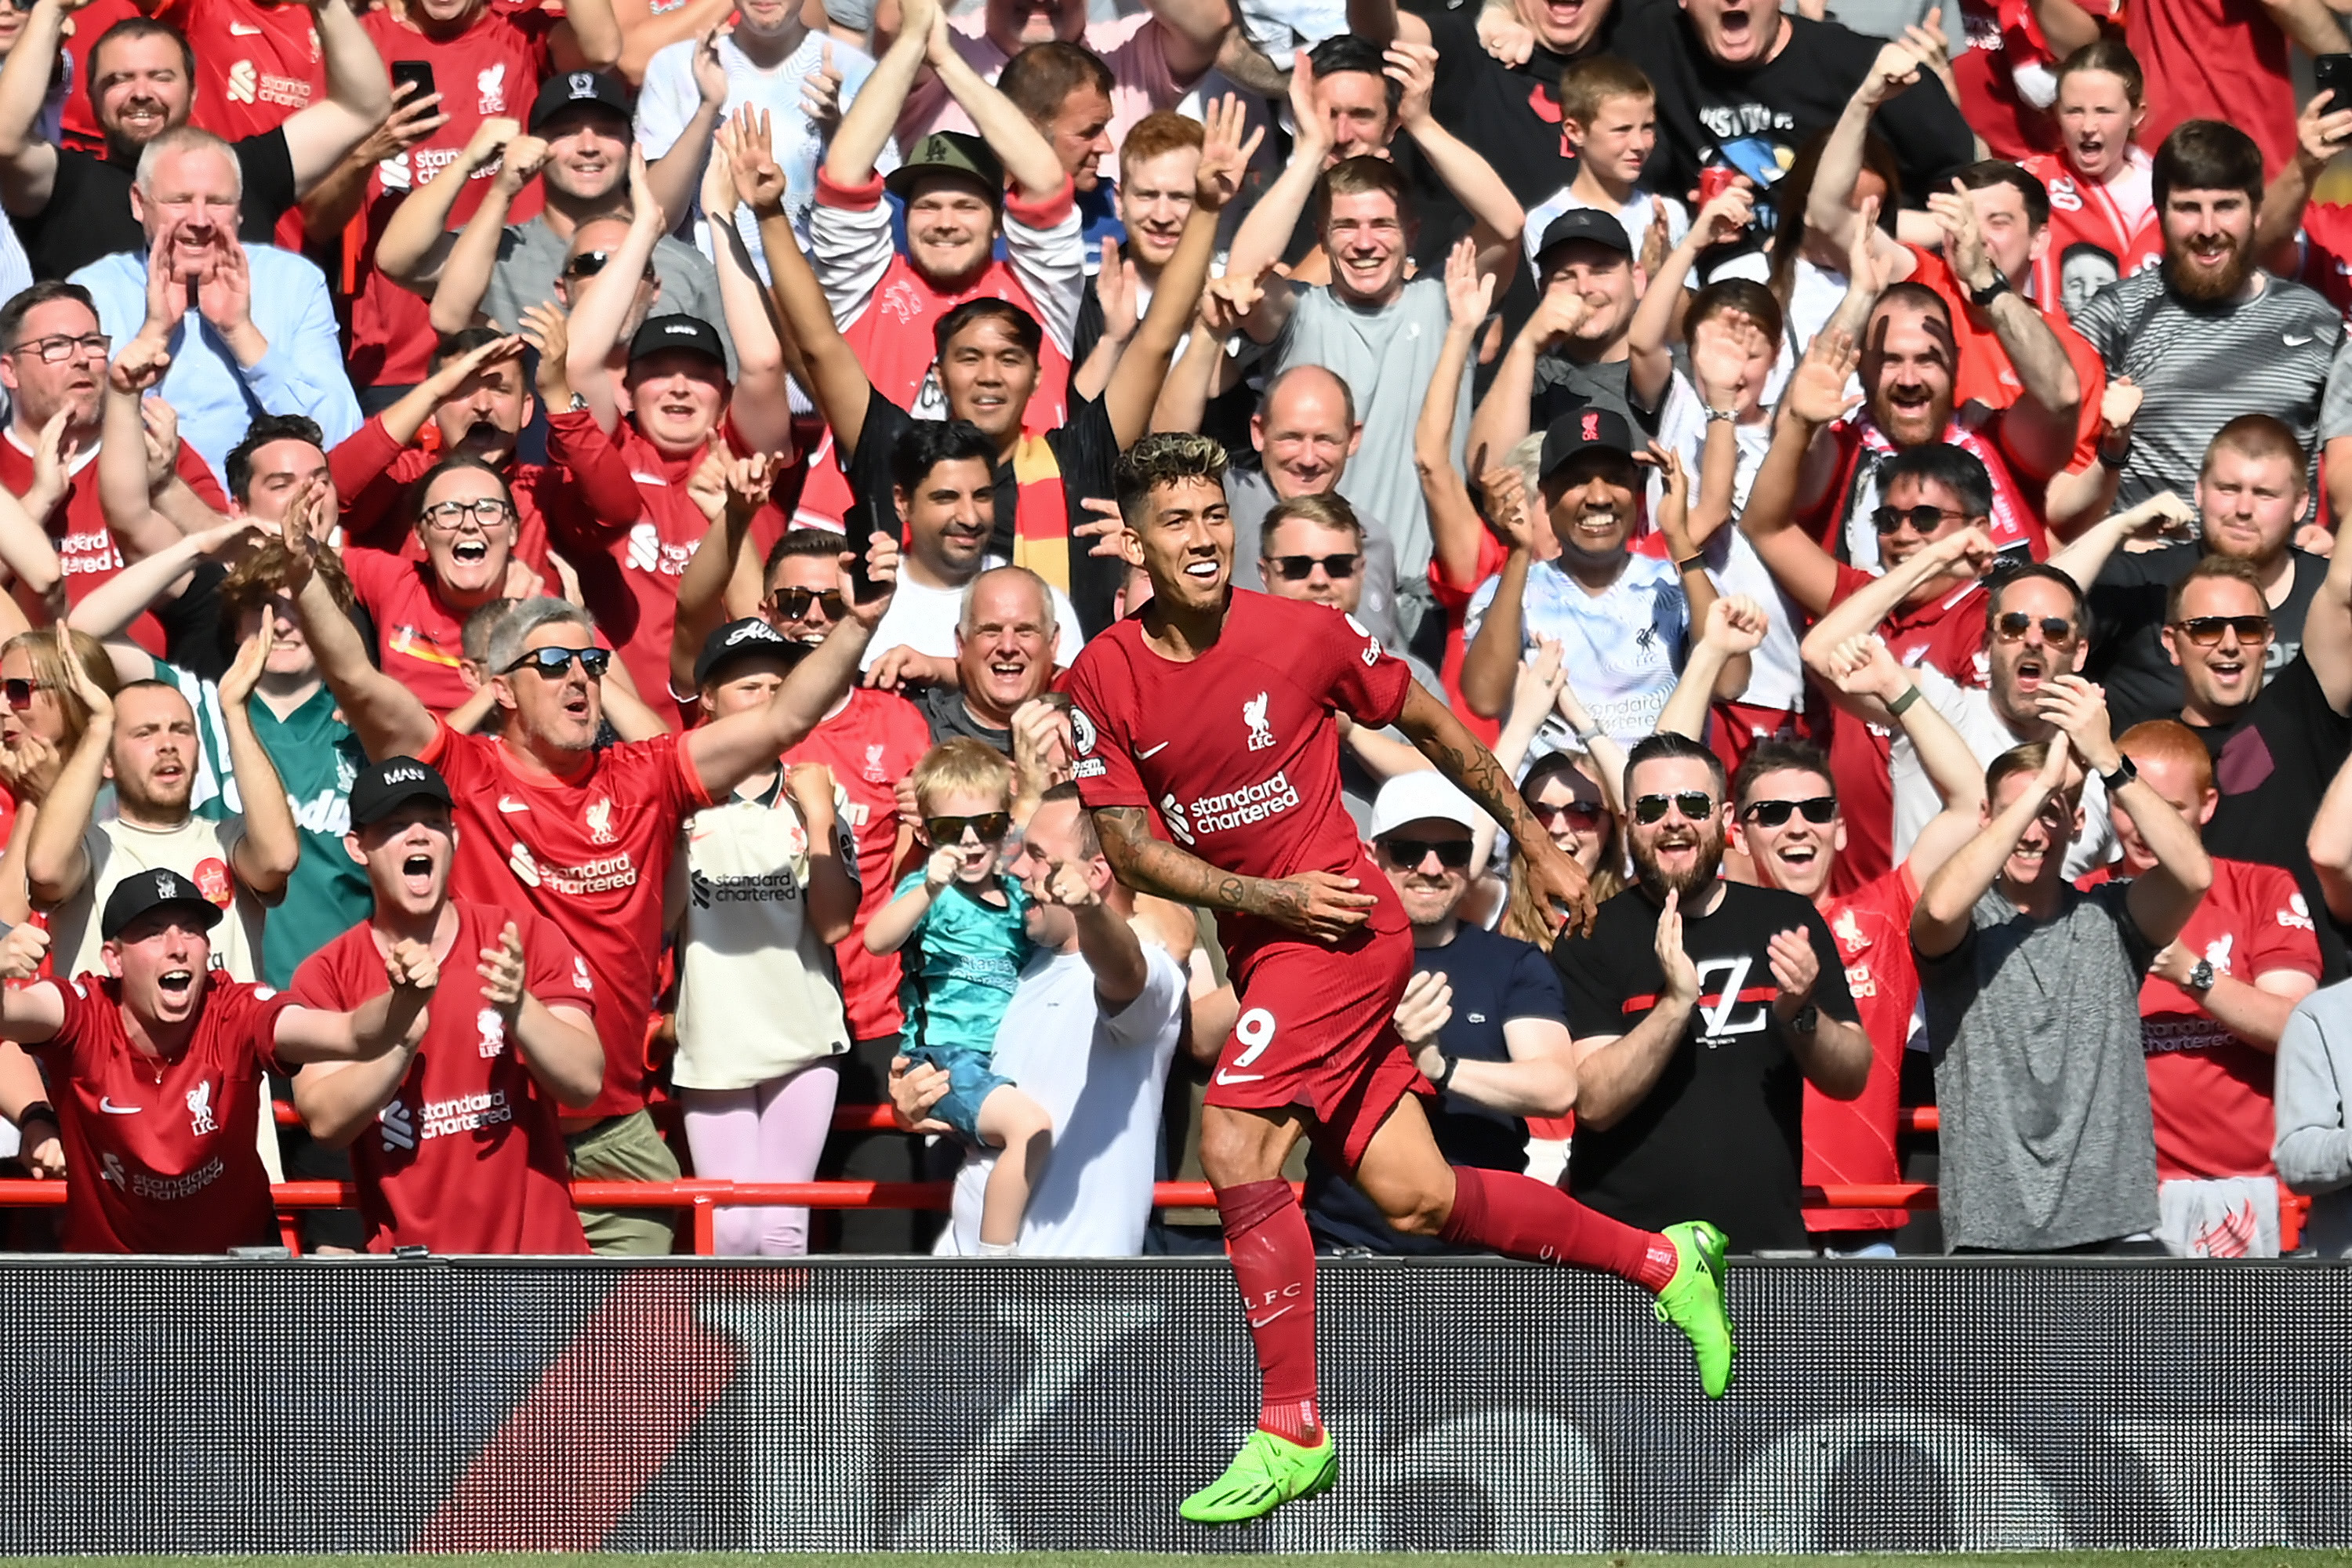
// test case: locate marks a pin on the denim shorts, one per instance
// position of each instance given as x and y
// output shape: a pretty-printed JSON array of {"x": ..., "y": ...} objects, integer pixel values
[{"x": 970, "y": 1083}]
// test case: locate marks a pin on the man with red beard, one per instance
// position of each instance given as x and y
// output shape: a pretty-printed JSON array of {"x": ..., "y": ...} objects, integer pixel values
[
  {"x": 1792, "y": 828},
  {"x": 2207, "y": 336}
]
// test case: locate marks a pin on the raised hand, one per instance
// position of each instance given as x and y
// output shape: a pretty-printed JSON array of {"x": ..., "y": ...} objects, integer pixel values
[
  {"x": 2119, "y": 406},
  {"x": 1966, "y": 555},
  {"x": 2322, "y": 129},
  {"x": 1224, "y": 153},
  {"x": 1896, "y": 67},
  {"x": 707, "y": 486},
  {"x": 1426, "y": 1007},
  {"x": 1720, "y": 219},
  {"x": 1736, "y": 625},
  {"x": 21, "y": 951},
  {"x": 524, "y": 157},
  {"x": 710, "y": 71},
  {"x": 1863, "y": 666},
  {"x": 1503, "y": 36},
  {"x": 457, "y": 372},
  {"x": 882, "y": 573},
  {"x": 244, "y": 672},
  {"x": 1041, "y": 743},
  {"x": 225, "y": 288},
  {"x": 1225, "y": 303},
  {"x": 821, "y": 93},
  {"x": 749, "y": 145},
  {"x": 1106, "y": 528},
  {"x": 411, "y": 121},
  {"x": 1796, "y": 969},
  {"x": 1413, "y": 67},
  {"x": 1068, "y": 886},
  {"x": 1311, "y": 140},
  {"x": 2163, "y": 514},
  {"x": 493, "y": 136},
  {"x": 501, "y": 971},
  {"x": 1817, "y": 392},
  {"x": 1120, "y": 291},
  {"x": 2079, "y": 710},
  {"x": 140, "y": 366},
  {"x": 1507, "y": 513},
  {"x": 1469, "y": 294},
  {"x": 1964, "y": 243},
  {"x": 77, "y": 681},
  {"x": 51, "y": 475},
  {"x": 1680, "y": 975},
  {"x": 940, "y": 868},
  {"x": 546, "y": 329},
  {"x": 1540, "y": 679},
  {"x": 642, "y": 199}
]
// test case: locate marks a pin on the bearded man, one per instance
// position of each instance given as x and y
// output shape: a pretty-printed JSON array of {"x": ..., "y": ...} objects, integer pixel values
[
  {"x": 1700, "y": 1009},
  {"x": 2209, "y": 335}
]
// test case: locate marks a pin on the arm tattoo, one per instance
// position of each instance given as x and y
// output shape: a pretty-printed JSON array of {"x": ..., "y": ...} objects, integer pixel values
[
  {"x": 1442, "y": 737},
  {"x": 1151, "y": 865}
]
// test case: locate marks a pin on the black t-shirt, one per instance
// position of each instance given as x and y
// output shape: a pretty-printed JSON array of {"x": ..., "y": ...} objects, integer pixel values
[
  {"x": 943, "y": 710},
  {"x": 1756, "y": 119},
  {"x": 1494, "y": 979},
  {"x": 2127, "y": 613},
  {"x": 1084, "y": 451},
  {"x": 89, "y": 215},
  {"x": 1225, "y": 420},
  {"x": 2271, "y": 768},
  {"x": 1510, "y": 115},
  {"x": 1719, "y": 1135}
]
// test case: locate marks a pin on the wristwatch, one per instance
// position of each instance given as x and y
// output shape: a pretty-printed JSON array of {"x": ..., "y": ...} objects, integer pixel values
[
  {"x": 1727, "y": 415},
  {"x": 2125, "y": 772},
  {"x": 1981, "y": 298},
  {"x": 1807, "y": 1020},
  {"x": 579, "y": 403},
  {"x": 1444, "y": 1072},
  {"x": 2201, "y": 976}
]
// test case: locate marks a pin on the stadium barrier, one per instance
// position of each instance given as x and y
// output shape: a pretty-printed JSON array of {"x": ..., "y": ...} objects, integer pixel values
[{"x": 379, "y": 1405}]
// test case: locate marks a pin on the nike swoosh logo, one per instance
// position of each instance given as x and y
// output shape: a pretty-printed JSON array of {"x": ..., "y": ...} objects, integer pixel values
[
  {"x": 1270, "y": 1316},
  {"x": 113, "y": 1109},
  {"x": 1153, "y": 752},
  {"x": 1231, "y": 1077},
  {"x": 509, "y": 805},
  {"x": 2293, "y": 341},
  {"x": 242, "y": 30}
]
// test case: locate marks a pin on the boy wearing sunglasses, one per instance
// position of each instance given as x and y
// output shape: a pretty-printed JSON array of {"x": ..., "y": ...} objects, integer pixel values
[{"x": 967, "y": 922}]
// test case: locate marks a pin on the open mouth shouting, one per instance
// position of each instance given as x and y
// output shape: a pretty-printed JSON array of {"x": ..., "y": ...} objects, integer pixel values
[
  {"x": 176, "y": 985},
  {"x": 416, "y": 875},
  {"x": 141, "y": 117},
  {"x": 469, "y": 552}
]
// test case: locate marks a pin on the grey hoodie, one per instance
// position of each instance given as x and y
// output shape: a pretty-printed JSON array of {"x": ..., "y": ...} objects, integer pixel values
[{"x": 2315, "y": 1133}]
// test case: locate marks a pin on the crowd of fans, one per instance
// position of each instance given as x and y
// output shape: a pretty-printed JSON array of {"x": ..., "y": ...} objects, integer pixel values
[{"x": 542, "y": 541}]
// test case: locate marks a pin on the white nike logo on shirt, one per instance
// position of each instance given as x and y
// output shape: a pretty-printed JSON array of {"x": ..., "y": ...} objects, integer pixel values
[
  {"x": 1232, "y": 1078},
  {"x": 1153, "y": 752},
  {"x": 509, "y": 805},
  {"x": 1270, "y": 1316},
  {"x": 113, "y": 1109},
  {"x": 2293, "y": 341},
  {"x": 242, "y": 30}
]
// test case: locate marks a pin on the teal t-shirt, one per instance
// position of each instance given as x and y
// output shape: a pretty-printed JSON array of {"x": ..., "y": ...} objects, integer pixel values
[
  {"x": 317, "y": 757},
  {"x": 960, "y": 967}
]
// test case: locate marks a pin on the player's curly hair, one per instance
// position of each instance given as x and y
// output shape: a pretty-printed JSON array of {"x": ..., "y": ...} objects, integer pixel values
[{"x": 1165, "y": 459}]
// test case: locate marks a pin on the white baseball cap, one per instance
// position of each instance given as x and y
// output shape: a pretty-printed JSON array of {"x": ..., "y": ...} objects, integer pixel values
[{"x": 1422, "y": 795}]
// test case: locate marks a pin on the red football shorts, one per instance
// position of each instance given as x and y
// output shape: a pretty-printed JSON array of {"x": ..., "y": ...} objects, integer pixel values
[{"x": 1317, "y": 1029}]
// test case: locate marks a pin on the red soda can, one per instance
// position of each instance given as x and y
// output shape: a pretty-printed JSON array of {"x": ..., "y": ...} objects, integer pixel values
[{"x": 1714, "y": 180}]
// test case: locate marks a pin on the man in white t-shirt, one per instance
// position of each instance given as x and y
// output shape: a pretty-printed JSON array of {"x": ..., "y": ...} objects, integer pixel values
[{"x": 1089, "y": 1033}]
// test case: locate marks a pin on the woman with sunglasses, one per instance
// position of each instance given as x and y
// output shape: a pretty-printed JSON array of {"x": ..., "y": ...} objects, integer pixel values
[
  {"x": 759, "y": 1016},
  {"x": 1564, "y": 792}
]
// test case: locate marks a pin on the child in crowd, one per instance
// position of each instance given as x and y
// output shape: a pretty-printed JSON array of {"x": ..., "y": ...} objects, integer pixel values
[
  {"x": 962, "y": 923},
  {"x": 1609, "y": 113}
]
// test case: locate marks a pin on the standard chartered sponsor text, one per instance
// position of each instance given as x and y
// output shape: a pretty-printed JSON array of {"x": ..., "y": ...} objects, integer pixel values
[{"x": 1240, "y": 808}]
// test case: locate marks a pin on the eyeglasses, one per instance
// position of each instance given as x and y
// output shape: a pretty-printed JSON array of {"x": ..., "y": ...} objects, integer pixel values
[
  {"x": 449, "y": 516},
  {"x": 2013, "y": 625},
  {"x": 61, "y": 348},
  {"x": 1453, "y": 854},
  {"x": 589, "y": 263},
  {"x": 20, "y": 692},
  {"x": 1585, "y": 814},
  {"x": 2206, "y": 630},
  {"x": 1818, "y": 809},
  {"x": 792, "y": 604},
  {"x": 551, "y": 662},
  {"x": 1298, "y": 568},
  {"x": 1924, "y": 520},
  {"x": 1693, "y": 804},
  {"x": 989, "y": 828}
]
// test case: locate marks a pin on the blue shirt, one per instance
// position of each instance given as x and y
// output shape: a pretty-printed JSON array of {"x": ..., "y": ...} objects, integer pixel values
[
  {"x": 216, "y": 397},
  {"x": 1623, "y": 647},
  {"x": 962, "y": 965}
]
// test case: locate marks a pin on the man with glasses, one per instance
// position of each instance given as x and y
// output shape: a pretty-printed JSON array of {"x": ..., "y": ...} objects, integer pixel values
[
  {"x": 548, "y": 822},
  {"x": 2276, "y": 744},
  {"x": 1700, "y": 1007},
  {"x": 2031, "y": 988},
  {"x": 1481, "y": 1014},
  {"x": 1790, "y": 824},
  {"x": 53, "y": 364}
]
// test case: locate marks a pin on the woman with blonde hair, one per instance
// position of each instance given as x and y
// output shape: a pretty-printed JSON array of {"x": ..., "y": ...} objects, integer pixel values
[{"x": 1567, "y": 791}]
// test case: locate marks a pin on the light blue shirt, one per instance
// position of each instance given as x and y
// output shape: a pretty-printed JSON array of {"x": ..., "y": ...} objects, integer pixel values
[
  {"x": 215, "y": 397},
  {"x": 1622, "y": 647}
]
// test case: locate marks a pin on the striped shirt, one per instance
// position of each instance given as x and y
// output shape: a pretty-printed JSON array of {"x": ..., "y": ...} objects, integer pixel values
[{"x": 2199, "y": 368}]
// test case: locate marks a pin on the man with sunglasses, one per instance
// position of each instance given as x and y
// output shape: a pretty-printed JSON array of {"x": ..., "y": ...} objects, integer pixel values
[
  {"x": 1481, "y": 1014},
  {"x": 1700, "y": 1007},
  {"x": 584, "y": 836},
  {"x": 1790, "y": 826},
  {"x": 2276, "y": 743}
]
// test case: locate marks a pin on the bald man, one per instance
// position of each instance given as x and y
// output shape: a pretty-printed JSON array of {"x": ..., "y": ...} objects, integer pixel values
[{"x": 1305, "y": 430}]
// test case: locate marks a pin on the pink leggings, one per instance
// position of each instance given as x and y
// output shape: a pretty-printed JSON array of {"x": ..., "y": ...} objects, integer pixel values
[{"x": 772, "y": 1131}]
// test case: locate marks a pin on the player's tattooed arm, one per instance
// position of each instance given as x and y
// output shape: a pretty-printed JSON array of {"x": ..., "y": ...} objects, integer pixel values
[
  {"x": 1318, "y": 903},
  {"x": 1460, "y": 756}
]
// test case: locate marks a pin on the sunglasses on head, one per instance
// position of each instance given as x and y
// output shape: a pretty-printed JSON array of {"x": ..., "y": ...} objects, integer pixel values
[
  {"x": 1924, "y": 520},
  {"x": 2013, "y": 625},
  {"x": 20, "y": 692},
  {"x": 989, "y": 828},
  {"x": 1693, "y": 804},
  {"x": 2205, "y": 631},
  {"x": 1585, "y": 814},
  {"x": 551, "y": 662},
  {"x": 1818, "y": 809},
  {"x": 1453, "y": 854},
  {"x": 1298, "y": 568},
  {"x": 792, "y": 604}
]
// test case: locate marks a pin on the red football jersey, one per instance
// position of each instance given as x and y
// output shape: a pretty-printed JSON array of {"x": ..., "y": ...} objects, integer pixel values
[
  {"x": 165, "y": 1154},
  {"x": 1237, "y": 751},
  {"x": 466, "y": 1156},
  {"x": 591, "y": 855},
  {"x": 875, "y": 741},
  {"x": 2081, "y": 212},
  {"x": 1946, "y": 633},
  {"x": 1853, "y": 1141},
  {"x": 420, "y": 637},
  {"x": 2209, "y": 1090},
  {"x": 86, "y": 552},
  {"x": 2327, "y": 252},
  {"x": 491, "y": 70},
  {"x": 258, "y": 63}
]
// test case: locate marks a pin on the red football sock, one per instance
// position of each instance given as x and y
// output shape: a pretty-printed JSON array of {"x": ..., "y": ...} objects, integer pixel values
[
  {"x": 1518, "y": 1216},
  {"x": 1274, "y": 1263}
]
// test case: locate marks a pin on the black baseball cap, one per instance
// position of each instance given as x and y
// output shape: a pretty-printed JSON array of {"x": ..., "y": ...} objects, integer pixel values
[
  {"x": 948, "y": 153},
  {"x": 143, "y": 890},
  {"x": 560, "y": 92},
  {"x": 1587, "y": 429},
  {"x": 1585, "y": 223},
  {"x": 746, "y": 638},
  {"x": 392, "y": 781},
  {"x": 691, "y": 334}
]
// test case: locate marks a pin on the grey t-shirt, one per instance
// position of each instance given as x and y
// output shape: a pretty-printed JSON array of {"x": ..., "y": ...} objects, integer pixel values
[
  {"x": 1387, "y": 357},
  {"x": 1250, "y": 498},
  {"x": 2047, "y": 1139},
  {"x": 530, "y": 255}
]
